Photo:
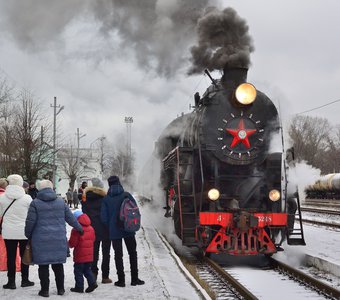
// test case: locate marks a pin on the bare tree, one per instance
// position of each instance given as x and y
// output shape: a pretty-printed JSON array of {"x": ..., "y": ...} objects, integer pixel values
[
  {"x": 67, "y": 162},
  {"x": 7, "y": 148},
  {"x": 330, "y": 160},
  {"x": 8, "y": 157},
  {"x": 122, "y": 165},
  {"x": 30, "y": 134},
  {"x": 6, "y": 91},
  {"x": 310, "y": 137},
  {"x": 72, "y": 167},
  {"x": 103, "y": 149}
]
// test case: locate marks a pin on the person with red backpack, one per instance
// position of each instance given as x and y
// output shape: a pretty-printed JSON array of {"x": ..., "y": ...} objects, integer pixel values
[
  {"x": 83, "y": 253},
  {"x": 110, "y": 215}
]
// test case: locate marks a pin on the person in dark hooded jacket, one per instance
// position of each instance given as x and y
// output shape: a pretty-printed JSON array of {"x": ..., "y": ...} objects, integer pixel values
[
  {"x": 83, "y": 254},
  {"x": 109, "y": 215},
  {"x": 46, "y": 228},
  {"x": 91, "y": 206}
]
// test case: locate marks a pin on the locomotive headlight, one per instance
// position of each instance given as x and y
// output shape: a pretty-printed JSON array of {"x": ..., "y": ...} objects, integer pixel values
[
  {"x": 274, "y": 195},
  {"x": 214, "y": 194},
  {"x": 245, "y": 93}
]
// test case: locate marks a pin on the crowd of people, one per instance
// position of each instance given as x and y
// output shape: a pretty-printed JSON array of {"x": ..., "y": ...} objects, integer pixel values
[{"x": 37, "y": 215}]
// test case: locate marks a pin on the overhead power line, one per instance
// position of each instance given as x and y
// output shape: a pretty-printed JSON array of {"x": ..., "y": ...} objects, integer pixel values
[{"x": 315, "y": 108}]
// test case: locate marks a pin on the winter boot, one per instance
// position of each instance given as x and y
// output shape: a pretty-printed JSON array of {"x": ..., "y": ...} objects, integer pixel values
[
  {"x": 106, "y": 280},
  {"x": 26, "y": 283},
  {"x": 137, "y": 282},
  {"x": 120, "y": 283},
  {"x": 61, "y": 292},
  {"x": 77, "y": 290},
  {"x": 121, "y": 280},
  {"x": 91, "y": 288},
  {"x": 10, "y": 284},
  {"x": 44, "y": 293}
]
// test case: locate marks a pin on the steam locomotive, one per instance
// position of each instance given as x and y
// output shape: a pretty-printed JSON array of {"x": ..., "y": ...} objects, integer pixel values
[{"x": 225, "y": 187}]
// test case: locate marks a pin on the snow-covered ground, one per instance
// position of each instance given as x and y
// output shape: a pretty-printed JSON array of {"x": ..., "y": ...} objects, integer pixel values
[{"x": 163, "y": 278}]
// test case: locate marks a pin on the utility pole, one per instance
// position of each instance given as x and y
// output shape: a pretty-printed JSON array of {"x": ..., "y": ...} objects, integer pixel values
[
  {"x": 79, "y": 136},
  {"x": 55, "y": 113},
  {"x": 128, "y": 121}
]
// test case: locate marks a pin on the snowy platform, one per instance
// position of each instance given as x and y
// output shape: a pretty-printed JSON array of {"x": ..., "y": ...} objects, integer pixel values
[{"x": 163, "y": 279}]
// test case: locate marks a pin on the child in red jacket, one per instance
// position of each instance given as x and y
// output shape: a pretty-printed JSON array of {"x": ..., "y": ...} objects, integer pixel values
[{"x": 83, "y": 254}]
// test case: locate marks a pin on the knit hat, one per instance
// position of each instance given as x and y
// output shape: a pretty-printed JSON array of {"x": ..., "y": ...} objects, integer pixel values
[
  {"x": 77, "y": 213},
  {"x": 43, "y": 184},
  {"x": 113, "y": 180},
  {"x": 15, "y": 179},
  {"x": 3, "y": 183},
  {"x": 25, "y": 185},
  {"x": 96, "y": 182}
]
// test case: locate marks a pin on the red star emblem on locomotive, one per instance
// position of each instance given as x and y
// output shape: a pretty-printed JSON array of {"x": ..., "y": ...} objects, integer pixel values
[{"x": 240, "y": 135}]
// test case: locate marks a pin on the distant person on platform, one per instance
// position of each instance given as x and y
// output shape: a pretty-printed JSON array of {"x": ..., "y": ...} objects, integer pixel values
[
  {"x": 46, "y": 228},
  {"x": 91, "y": 205},
  {"x": 75, "y": 199},
  {"x": 109, "y": 215},
  {"x": 81, "y": 190},
  {"x": 26, "y": 186},
  {"x": 69, "y": 198},
  {"x": 32, "y": 190}
]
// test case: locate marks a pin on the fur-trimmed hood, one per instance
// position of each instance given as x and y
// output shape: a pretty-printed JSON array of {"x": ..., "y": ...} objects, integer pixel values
[{"x": 95, "y": 190}]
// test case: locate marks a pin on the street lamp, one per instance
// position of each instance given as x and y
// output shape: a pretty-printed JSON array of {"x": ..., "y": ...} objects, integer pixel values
[
  {"x": 128, "y": 121},
  {"x": 55, "y": 106}
]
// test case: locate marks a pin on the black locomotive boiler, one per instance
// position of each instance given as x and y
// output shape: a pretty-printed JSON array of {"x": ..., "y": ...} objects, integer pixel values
[{"x": 225, "y": 188}]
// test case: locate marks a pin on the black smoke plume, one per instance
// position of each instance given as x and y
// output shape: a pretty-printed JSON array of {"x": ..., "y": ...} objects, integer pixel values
[{"x": 223, "y": 41}]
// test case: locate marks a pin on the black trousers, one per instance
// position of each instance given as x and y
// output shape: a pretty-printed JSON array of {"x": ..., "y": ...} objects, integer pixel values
[
  {"x": 11, "y": 249},
  {"x": 44, "y": 276},
  {"x": 106, "y": 245},
  {"x": 131, "y": 247},
  {"x": 82, "y": 270}
]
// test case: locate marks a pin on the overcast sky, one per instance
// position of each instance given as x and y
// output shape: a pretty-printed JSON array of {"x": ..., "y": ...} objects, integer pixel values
[{"x": 105, "y": 60}]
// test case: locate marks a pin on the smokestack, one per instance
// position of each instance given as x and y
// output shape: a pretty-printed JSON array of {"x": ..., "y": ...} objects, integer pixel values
[{"x": 234, "y": 76}]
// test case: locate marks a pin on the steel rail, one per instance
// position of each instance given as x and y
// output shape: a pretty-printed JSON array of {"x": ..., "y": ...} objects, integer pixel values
[
  {"x": 242, "y": 290},
  {"x": 321, "y": 211},
  {"x": 334, "y": 225},
  {"x": 306, "y": 279}
]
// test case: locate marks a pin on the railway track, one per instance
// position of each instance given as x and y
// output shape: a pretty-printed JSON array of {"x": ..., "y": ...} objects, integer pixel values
[
  {"x": 321, "y": 211},
  {"x": 253, "y": 282},
  {"x": 306, "y": 280},
  {"x": 322, "y": 223},
  {"x": 330, "y": 203},
  {"x": 233, "y": 282},
  {"x": 229, "y": 283}
]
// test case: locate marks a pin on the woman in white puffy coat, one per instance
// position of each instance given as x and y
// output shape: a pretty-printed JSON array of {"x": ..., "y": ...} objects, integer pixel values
[{"x": 13, "y": 227}]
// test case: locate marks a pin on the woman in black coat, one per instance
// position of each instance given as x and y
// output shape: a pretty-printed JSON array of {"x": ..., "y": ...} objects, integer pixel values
[{"x": 91, "y": 206}]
